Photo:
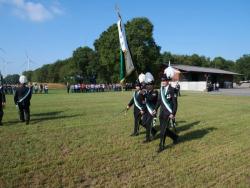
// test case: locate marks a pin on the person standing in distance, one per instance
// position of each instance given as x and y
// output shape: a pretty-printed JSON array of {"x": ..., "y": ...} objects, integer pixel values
[
  {"x": 2, "y": 103},
  {"x": 22, "y": 99}
]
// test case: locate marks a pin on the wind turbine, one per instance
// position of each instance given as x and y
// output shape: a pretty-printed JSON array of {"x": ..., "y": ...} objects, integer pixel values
[
  {"x": 2, "y": 50},
  {"x": 28, "y": 61}
]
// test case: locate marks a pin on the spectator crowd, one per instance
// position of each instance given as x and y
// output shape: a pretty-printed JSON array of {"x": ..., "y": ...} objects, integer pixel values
[
  {"x": 10, "y": 89},
  {"x": 89, "y": 88}
]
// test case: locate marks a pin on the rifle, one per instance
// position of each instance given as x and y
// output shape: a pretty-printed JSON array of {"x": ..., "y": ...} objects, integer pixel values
[
  {"x": 173, "y": 124},
  {"x": 121, "y": 112}
]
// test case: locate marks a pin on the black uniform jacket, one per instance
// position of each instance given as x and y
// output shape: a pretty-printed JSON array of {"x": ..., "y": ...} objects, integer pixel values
[
  {"x": 140, "y": 98},
  {"x": 151, "y": 99},
  {"x": 20, "y": 93},
  {"x": 171, "y": 99},
  {"x": 2, "y": 97}
]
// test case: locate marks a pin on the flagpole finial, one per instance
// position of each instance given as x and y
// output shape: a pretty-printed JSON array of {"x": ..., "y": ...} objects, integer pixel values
[{"x": 117, "y": 11}]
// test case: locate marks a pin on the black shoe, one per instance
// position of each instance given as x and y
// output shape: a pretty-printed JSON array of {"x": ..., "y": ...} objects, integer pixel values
[
  {"x": 161, "y": 148},
  {"x": 134, "y": 134},
  {"x": 176, "y": 140},
  {"x": 147, "y": 140},
  {"x": 154, "y": 132},
  {"x": 27, "y": 122}
]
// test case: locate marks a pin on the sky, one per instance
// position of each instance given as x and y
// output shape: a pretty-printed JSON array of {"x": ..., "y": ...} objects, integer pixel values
[{"x": 50, "y": 30}]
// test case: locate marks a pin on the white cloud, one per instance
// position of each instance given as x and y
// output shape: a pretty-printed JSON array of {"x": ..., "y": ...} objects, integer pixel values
[{"x": 33, "y": 11}]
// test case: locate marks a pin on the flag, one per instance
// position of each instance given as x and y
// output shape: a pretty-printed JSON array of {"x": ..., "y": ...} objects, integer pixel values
[{"x": 126, "y": 63}]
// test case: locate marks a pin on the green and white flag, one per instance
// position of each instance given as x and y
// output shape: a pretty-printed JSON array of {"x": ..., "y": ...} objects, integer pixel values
[{"x": 126, "y": 63}]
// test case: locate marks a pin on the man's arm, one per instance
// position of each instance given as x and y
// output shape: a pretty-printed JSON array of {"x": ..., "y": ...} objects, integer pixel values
[
  {"x": 15, "y": 97},
  {"x": 4, "y": 99},
  {"x": 130, "y": 103},
  {"x": 174, "y": 100},
  {"x": 158, "y": 101}
]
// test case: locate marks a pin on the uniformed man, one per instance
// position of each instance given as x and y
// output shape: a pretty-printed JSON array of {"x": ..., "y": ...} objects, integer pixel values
[
  {"x": 2, "y": 103},
  {"x": 178, "y": 88},
  {"x": 151, "y": 101},
  {"x": 138, "y": 100},
  {"x": 168, "y": 102},
  {"x": 22, "y": 99}
]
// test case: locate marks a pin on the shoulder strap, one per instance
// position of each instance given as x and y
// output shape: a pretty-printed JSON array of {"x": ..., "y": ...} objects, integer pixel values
[
  {"x": 164, "y": 100},
  {"x": 149, "y": 108},
  {"x": 25, "y": 96},
  {"x": 136, "y": 102}
]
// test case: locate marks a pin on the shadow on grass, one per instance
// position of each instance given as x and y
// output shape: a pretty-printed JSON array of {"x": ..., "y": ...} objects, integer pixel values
[
  {"x": 40, "y": 119},
  {"x": 47, "y": 113},
  {"x": 197, "y": 134},
  {"x": 11, "y": 122},
  {"x": 186, "y": 127},
  {"x": 158, "y": 128},
  {"x": 180, "y": 121}
]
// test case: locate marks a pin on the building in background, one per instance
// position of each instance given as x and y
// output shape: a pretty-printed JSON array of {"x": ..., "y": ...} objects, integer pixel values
[{"x": 202, "y": 78}]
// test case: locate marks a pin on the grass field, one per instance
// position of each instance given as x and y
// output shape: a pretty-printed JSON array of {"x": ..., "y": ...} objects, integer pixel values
[{"x": 78, "y": 140}]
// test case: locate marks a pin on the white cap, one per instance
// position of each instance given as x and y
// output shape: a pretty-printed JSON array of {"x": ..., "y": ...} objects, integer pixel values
[
  {"x": 149, "y": 78},
  {"x": 169, "y": 72},
  {"x": 23, "y": 79},
  {"x": 141, "y": 78}
]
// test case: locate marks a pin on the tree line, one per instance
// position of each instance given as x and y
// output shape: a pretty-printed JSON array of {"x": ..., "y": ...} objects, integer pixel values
[{"x": 101, "y": 64}]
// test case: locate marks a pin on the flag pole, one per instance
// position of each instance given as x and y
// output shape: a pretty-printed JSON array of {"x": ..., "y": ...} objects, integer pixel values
[{"x": 126, "y": 60}]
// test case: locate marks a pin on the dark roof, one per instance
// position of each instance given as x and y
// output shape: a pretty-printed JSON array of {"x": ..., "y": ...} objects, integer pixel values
[{"x": 188, "y": 68}]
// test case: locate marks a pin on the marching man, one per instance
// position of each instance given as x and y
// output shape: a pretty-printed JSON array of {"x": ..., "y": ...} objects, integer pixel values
[
  {"x": 138, "y": 100},
  {"x": 168, "y": 102},
  {"x": 150, "y": 101}
]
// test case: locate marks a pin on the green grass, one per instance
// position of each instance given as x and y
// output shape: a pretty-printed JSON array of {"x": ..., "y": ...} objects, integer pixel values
[{"x": 78, "y": 140}]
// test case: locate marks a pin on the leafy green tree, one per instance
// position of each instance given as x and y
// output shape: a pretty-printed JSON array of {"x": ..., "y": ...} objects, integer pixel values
[
  {"x": 144, "y": 50},
  {"x": 85, "y": 62},
  {"x": 243, "y": 66},
  {"x": 11, "y": 79},
  {"x": 221, "y": 63},
  {"x": 28, "y": 74},
  {"x": 67, "y": 71},
  {"x": 107, "y": 48},
  {"x": 145, "y": 53},
  {"x": 166, "y": 57}
]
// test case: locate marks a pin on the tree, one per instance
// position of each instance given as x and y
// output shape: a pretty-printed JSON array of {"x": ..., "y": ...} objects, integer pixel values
[
  {"x": 107, "y": 49},
  {"x": 11, "y": 79},
  {"x": 221, "y": 63},
  {"x": 28, "y": 75},
  {"x": 143, "y": 48},
  {"x": 85, "y": 62},
  {"x": 166, "y": 57},
  {"x": 243, "y": 66}
]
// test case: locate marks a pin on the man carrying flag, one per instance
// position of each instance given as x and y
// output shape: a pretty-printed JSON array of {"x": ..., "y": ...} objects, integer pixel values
[
  {"x": 126, "y": 63},
  {"x": 138, "y": 100}
]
